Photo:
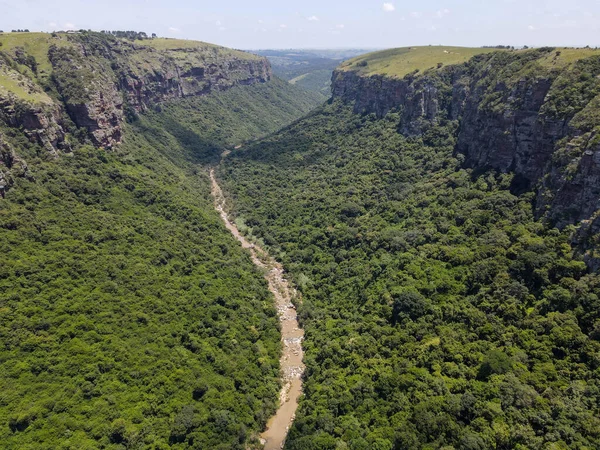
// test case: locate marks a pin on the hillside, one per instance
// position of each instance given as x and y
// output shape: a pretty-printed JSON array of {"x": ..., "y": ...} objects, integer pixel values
[
  {"x": 399, "y": 62},
  {"x": 529, "y": 112},
  {"x": 131, "y": 318},
  {"x": 432, "y": 222},
  {"x": 308, "y": 69}
]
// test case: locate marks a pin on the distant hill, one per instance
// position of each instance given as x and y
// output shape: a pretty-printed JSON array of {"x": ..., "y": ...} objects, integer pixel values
[{"x": 308, "y": 69}]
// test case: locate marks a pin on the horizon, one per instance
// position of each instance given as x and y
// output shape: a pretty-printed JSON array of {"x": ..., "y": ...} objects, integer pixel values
[
  {"x": 357, "y": 47},
  {"x": 265, "y": 24}
]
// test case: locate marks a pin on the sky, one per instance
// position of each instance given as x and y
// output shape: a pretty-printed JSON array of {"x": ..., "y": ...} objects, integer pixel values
[{"x": 262, "y": 24}]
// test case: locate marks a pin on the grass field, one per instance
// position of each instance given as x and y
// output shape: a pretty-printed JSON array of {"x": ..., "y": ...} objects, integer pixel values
[
  {"x": 176, "y": 44},
  {"x": 566, "y": 56},
  {"x": 399, "y": 62},
  {"x": 12, "y": 82},
  {"x": 35, "y": 44}
]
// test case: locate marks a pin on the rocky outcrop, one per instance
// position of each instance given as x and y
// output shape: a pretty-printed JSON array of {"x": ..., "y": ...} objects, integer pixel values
[
  {"x": 417, "y": 98},
  {"x": 99, "y": 78},
  {"x": 11, "y": 166},
  {"x": 146, "y": 88},
  {"x": 32, "y": 110},
  {"x": 98, "y": 81},
  {"x": 514, "y": 115},
  {"x": 94, "y": 82}
]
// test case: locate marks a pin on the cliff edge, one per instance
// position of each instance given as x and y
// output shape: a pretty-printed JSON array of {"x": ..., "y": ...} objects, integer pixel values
[
  {"x": 534, "y": 113},
  {"x": 53, "y": 85}
]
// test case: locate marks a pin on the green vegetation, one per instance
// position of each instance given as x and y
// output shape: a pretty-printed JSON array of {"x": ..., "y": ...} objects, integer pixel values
[
  {"x": 12, "y": 82},
  {"x": 222, "y": 120},
  {"x": 308, "y": 69},
  {"x": 35, "y": 44},
  {"x": 399, "y": 62},
  {"x": 178, "y": 44},
  {"x": 315, "y": 81},
  {"x": 438, "y": 312},
  {"x": 130, "y": 317}
]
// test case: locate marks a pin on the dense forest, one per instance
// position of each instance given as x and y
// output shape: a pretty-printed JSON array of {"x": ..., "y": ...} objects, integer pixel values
[
  {"x": 439, "y": 313},
  {"x": 427, "y": 215},
  {"x": 130, "y": 317}
]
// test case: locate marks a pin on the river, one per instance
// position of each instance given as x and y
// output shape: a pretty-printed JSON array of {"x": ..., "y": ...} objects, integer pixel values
[{"x": 291, "y": 363}]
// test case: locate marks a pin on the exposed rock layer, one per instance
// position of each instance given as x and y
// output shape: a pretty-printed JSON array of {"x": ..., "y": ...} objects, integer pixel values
[
  {"x": 519, "y": 112},
  {"x": 95, "y": 82},
  {"x": 99, "y": 80}
]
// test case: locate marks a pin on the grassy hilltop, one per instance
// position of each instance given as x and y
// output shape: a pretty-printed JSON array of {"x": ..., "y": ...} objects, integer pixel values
[{"x": 399, "y": 62}]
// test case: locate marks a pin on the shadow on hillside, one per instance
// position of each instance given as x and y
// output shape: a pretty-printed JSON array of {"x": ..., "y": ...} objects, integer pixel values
[{"x": 193, "y": 148}]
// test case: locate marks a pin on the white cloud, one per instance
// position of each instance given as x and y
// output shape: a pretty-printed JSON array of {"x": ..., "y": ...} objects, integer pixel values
[
  {"x": 222, "y": 28},
  {"x": 283, "y": 25},
  {"x": 442, "y": 12},
  {"x": 261, "y": 21},
  {"x": 389, "y": 7},
  {"x": 52, "y": 24},
  {"x": 340, "y": 26},
  {"x": 174, "y": 30},
  {"x": 313, "y": 19},
  {"x": 415, "y": 14},
  {"x": 218, "y": 23},
  {"x": 531, "y": 28},
  {"x": 69, "y": 26}
]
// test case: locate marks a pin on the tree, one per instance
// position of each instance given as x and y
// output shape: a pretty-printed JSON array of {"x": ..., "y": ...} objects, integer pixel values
[{"x": 496, "y": 362}]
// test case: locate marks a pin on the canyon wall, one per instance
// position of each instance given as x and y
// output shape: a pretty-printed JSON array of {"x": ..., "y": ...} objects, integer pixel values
[{"x": 525, "y": 112}]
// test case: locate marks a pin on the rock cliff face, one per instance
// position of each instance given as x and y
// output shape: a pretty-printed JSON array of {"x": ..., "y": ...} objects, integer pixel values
[
  {"x": 11, "y": 166},
  {"x": 520, "y": 112},
  {"x": 96, "y": 80}
]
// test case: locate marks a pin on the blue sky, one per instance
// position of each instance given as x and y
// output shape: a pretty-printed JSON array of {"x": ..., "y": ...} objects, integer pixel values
[{"x": 254, "y": 24}]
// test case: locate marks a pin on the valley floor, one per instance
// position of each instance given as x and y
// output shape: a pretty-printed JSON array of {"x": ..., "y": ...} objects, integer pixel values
[{"x": 291, "y": 363}]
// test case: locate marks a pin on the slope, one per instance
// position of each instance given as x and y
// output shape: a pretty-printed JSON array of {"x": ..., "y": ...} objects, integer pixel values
[
  {"x": 308, "y": 69},
  {"x": 439, "y": 311},
  {"x": 130, "y": 317}
]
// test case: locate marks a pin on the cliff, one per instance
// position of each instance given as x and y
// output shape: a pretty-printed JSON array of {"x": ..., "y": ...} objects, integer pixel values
[
  {"x": 52, "y": 85},
  {"x": 535, "y": 113}
]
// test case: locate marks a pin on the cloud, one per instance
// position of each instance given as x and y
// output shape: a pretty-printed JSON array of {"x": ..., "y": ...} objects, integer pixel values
[
  {"x": 313, "y": 19},
  {"x": 531, "y": 28},
  {"x": 340, "y": 26},
  {"x": 52, "y": 24},
  {"x": 282, "y": 26},
  {"x": 69, "y": 26},
  {"x": 415, "y": 14},
  {"x": 442, "y": 12},
  {"x": 261, "y": 21},
  {"x": 389, "y": 7},
  {"x": 218, "y": 23},
  {"x": 174, "y": 30}
]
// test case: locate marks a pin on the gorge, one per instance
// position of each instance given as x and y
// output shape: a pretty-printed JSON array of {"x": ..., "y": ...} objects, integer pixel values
[{"x": 429, "y": 234}]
